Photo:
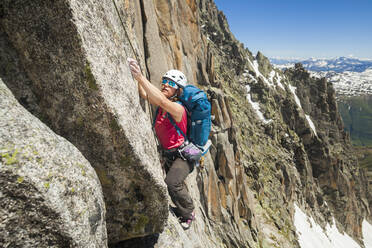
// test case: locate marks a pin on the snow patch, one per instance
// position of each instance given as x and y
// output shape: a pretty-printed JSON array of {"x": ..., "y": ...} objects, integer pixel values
[
  {"x": 293, "y": 90},
  {"x": 255, "y": 66},
  {"x": 272, "y": 75},
  {"x": 246, "y": 74},
  {"x": 284, "y": 66},
  {"x": 311, "y": 123},
  {"x": 256, "y": 107},
  {"x": 297, "y": 100},
  {"x": 275, "y": 78},
  {"x": 278, "y": 82},
  {"x": 258, "y": 73},
  {"x": 367, "y": 234},
  {"x": 321, "y": 63},
  {"x": 311, "y": 235},
  {"x": 253, "y": 78}
]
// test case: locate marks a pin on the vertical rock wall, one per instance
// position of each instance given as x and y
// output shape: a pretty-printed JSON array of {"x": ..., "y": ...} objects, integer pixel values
[
  {"x": 256, "y": 170},
  {"x": 73, "y": 58},
  {"x": 70, "y": 66}
]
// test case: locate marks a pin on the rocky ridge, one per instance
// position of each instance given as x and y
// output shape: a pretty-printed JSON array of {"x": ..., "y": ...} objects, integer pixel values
[
  {"x": 273, "y": 144},
  {"x": 352, "y": 80}
]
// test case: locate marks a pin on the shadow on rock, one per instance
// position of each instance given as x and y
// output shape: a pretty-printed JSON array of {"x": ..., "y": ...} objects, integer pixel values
[{"x": 147, "y": 241}]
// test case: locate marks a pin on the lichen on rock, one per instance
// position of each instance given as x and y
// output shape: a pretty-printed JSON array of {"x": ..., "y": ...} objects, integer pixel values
[
  {"x": 38, "y": 170},
  {"x": 277, "y": 138},
  {"x": 73, "y": 55}
]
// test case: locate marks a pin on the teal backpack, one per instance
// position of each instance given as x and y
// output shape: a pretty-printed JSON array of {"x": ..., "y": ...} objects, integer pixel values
[{"x": 199, "y": 117}]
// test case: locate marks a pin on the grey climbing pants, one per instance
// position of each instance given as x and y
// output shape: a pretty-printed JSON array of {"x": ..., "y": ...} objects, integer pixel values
[{"x": 177, "y": 172}]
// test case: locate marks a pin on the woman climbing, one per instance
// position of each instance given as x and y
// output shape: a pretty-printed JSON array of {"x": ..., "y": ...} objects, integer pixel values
[{"x": 170, "y": 139}]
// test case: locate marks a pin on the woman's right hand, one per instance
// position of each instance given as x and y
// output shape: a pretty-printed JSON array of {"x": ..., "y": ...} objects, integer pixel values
[{"x": 134, "y": 68}]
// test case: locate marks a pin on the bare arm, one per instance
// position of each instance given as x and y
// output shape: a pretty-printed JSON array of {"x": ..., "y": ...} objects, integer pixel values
[
  {"x": 142, "y": 92},
  {"x": 154, "y": 94}
]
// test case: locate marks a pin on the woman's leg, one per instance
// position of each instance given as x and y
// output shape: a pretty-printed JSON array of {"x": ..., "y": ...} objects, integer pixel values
[{"x": 177, "y": 189}]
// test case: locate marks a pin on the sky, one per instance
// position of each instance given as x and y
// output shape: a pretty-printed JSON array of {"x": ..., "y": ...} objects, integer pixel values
[{"x": 302, "y": 28}]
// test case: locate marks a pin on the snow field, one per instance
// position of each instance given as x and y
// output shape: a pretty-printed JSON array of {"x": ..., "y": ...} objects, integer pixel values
[
  {"x": 367, "y": 234},
  {"x": 349, "y": 83},
  {"x": 311, "y": 235}
]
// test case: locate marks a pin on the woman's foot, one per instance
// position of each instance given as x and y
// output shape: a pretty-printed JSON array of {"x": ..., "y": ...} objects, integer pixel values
[{"x": 186, "y": 222}]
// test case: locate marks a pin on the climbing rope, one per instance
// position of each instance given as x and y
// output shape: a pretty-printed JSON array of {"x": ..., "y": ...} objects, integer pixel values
[{"x": 125, "y": 30}]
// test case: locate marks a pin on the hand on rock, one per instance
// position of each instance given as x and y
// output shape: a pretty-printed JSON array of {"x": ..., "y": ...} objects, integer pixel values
[{"x": 134, "y": 68}]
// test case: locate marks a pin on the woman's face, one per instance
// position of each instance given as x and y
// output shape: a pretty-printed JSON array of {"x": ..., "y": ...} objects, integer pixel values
[{"x": 167, "y": 90}]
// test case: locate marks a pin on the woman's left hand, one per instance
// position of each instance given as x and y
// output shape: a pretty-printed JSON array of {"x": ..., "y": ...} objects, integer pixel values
[{"x": 134, "y": 68}]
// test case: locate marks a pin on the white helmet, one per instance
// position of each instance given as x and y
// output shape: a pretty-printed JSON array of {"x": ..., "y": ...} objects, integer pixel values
[{"x": 177, "y": 76}]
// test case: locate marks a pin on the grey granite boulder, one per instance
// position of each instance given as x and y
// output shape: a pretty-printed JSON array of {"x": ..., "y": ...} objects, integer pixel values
[
  {"x": 50, "y": 196},
  {"x": 74, "y": 53}
]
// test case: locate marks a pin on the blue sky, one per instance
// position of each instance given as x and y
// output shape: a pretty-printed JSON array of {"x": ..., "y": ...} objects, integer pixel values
[{"x": 302, "y": 28}]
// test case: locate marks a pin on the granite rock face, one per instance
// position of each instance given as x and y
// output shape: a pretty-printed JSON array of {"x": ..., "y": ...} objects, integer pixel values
[
  {"x": 256, "y": 169},
  {"x": 273, "y": 144},
  {"x": 73, "y": 55},
  {"x": 50, "y": 196}
]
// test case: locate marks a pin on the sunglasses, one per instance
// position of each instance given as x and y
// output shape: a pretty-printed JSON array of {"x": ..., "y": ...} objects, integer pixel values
[{"x": 170, "y": 83}]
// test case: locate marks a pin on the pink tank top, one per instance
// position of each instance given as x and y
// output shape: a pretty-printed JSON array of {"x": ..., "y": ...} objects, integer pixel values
[{"x": 167, "y": 133}]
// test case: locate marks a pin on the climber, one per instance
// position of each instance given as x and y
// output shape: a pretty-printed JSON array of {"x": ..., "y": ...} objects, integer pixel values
[{"x": 176, "y": 168}]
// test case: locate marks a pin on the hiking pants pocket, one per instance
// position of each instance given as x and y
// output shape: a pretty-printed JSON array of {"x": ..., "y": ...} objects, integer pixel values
[{"x": 175, "y": 181}]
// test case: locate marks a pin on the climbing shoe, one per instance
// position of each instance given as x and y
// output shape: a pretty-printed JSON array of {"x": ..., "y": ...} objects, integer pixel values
[{"x": 186, "y": 223}]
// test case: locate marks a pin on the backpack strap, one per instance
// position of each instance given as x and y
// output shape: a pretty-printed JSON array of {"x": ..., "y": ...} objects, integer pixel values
[
  {"x": 155, "y": 116},
  {"x": 179, "y": 131}
]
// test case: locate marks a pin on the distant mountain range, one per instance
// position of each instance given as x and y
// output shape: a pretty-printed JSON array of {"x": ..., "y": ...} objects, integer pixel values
[
  {"x": 341, "y": 64},
  {"x": 352, "y": 80},
  {"x": 350, "y": 76}
]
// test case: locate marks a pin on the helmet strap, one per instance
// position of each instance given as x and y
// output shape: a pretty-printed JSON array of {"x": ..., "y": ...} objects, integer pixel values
[
  {"x": 179, "y": 91},
  {"x": 176, "y": 95}
]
